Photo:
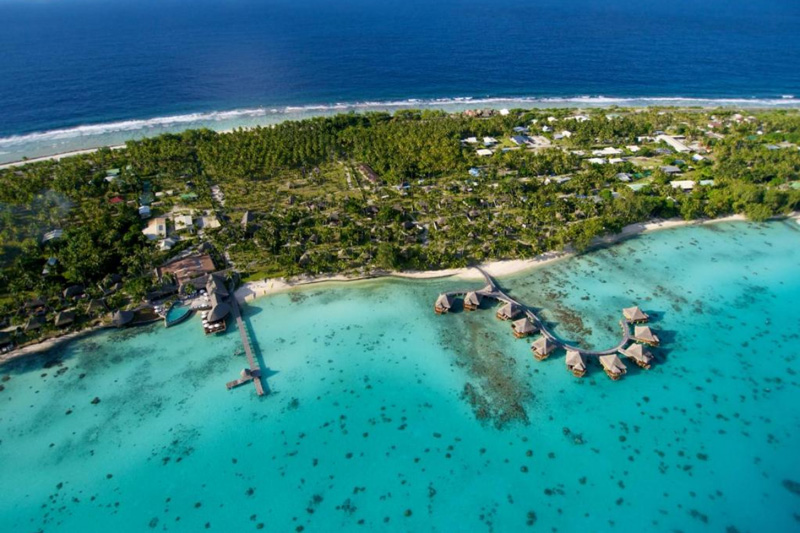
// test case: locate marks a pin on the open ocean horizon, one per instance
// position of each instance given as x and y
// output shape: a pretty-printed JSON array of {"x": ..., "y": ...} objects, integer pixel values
[{"x": 83, "y": 73}]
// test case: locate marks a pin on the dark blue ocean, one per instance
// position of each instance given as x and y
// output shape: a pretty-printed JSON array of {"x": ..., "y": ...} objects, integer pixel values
[{"x": 74, "y": 63}]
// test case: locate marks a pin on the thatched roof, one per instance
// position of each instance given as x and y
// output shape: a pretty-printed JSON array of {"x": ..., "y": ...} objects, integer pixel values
[
  {"x": 509, "y": 310},
  {"x": 219, "y": 312},
  {"x": 543, "y": 345},
  {"x": 637, "y": 352},
  {"x": 247, "y": 218},
  {"x": 644, "y": 333},
  {"x": 73, "y": 291},
  {"x": 634, "y": 313},
  {"x": 523, "y": 325},
  {"x": 613, "y": 364},
  {"x": 34, "y": 322},
  {"x": 216, "y": 283},
  {"x": 473, "y": 298},
  {"x": 122, "y": 318},
  {"x": 445, "y": 301},
  {"x": 64, "y": 318},
  {"x": 97, "y": 306},
  {"x": 575, "y": 360}
]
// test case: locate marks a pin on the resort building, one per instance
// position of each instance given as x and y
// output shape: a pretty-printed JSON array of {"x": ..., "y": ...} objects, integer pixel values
[
  {"x": 542, "y": 347},
  {"x": 575, "y": 363},
  {"x": 64, "y": 318},
  {"x": 639, "y": 354},
  {"x": 635, "y": 315},
  {"x": 122, "y": 318},
  {"x": 443, "y": 304},
  {"x": 523, "y": 327},
  {"x": 472, "y": 301},
  {"x": 613, "y": 366},
  {"x": 509, "y": 311},
  {"x": 645, "y": 334}
]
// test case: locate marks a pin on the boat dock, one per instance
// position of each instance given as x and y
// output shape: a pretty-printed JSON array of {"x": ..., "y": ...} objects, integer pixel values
[{"x": 254, "y": 372}]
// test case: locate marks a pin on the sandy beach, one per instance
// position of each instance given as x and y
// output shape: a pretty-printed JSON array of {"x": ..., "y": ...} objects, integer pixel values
[{"x": 256, "y": 289}]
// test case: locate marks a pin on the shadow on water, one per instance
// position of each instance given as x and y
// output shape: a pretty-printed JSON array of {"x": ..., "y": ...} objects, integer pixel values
[{"x": 247, "y": 313}]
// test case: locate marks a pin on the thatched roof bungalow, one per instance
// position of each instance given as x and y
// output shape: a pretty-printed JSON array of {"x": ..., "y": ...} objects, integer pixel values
[
  {"x": 635, "y": 315},
  {"x": 613, "y": 366},
  {"x": 216, "y": 284},
  {"x": 443, "y": 304},
  {"x": 64, "y": 318},
  {"x": 645, "y": 334},
  {"x": 73, "y": 291},
  {"x": 542, "y": 347},
  {"x": 639, "y": 354},
  {"x": 219, "y": 312},
  {"x": 122, "y": 318},
  {"x": 509, "y": 311},
  {"x": 576, "y": 363},
  {"x": 472, "y": 301},
  {"x": 523, "y": 327},
  {"x": 34, "y": 323},
  {"x": 97, "y": 306}
]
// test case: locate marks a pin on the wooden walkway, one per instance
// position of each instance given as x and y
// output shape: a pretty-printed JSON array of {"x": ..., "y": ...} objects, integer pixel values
[
  {"x": 255, "y": 371},
  {"x": 492, "y": 290}
]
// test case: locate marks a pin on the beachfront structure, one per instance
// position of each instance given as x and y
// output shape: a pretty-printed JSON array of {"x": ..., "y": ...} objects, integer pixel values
[
  {"x": 509, "y": 311},
  {"x": 576, "y": 363},
  {"x": 645, "y": 335},
  {"x": 472, "y": 301},
  {"x": 64, "y": 318},
  {"x": 216, "y": 284},
  {"x": 613, "y": 366},
  {"x": 34, "y": 323},
  {"x": 542, "y": 347},
  {"x": 97, "y": 306},
  {"x": 122, "y": 318},
  {"x": 639, "y": 354},
  {"x": 523, "y": 327},
  {"x": 635, "y": 315},
  {"x": 443, "y": 304}
]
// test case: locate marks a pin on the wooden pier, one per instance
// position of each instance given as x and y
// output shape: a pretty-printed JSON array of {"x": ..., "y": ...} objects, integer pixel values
[
  {"x": 254, "y": 373},
  {"x": 493, "y": 291}
]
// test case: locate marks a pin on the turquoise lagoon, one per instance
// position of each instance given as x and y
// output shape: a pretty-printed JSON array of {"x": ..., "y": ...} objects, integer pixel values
[{"x": 385, "y": 416}]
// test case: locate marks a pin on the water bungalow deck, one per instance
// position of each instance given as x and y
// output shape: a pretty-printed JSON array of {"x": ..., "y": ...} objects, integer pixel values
[{"x": 493, "y": 291}]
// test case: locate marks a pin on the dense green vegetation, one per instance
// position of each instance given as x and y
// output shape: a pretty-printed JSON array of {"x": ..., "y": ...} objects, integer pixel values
[{"x": 315, "y": 211}]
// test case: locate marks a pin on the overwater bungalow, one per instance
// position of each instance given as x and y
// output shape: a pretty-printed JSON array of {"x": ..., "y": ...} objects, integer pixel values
[
  {"x": 639, "y": 354},
  {"x": 635, "y": 315},
  {"x": 613, "y": 366},
  {"x": 472, "y": 301},
  {"x": 122, "y": 318},
  {"x": 645, "y": 334},
  {"x": 64, "y": 318},
  {"x": 510, "y": 311},
  {"x": 575, "y": 363},
  {"x": 443, "y": 304},
  {"x": 542, "y": 347},
  {"x": 523, "y": 327}
]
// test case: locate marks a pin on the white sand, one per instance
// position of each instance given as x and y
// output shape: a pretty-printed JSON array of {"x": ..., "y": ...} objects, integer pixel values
[
  {"x": 256, "y": 289},
  {"x": 56, "y": 157}
]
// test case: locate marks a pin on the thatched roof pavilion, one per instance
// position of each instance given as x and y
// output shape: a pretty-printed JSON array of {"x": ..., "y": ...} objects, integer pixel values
[
  {"x": 122, "y": 318},
  {"x": 635, "y": 315},
  {"x": 64, "y": 318},
  {"x": 509, "y": 311},
  {"x": 97, "y": 306},
  {"x": 575, "y": 363},
  {"x": 34, "y": 323},
  {"x": 73, "y": 291},
  {"x": 542, "y": 347},
  {"x": 472, "y": 301},
  {"x": 216, "y": 283},
  {"x": 523, "y": 327},
  {"x": 613, "y": 366},
  {"x": 443, "y": 304},
  {"x": 639, "y": 354},
  {"x": 645, "y": 334},
  {"x": 219, "y": 312}
]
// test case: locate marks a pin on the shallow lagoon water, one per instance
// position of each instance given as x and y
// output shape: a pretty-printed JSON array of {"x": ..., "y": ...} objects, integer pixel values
[{"x": 367, "y": 425}]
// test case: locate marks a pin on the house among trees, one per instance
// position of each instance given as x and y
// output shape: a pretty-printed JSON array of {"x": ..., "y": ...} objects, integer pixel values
[{"x": 64, "y": 318}]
